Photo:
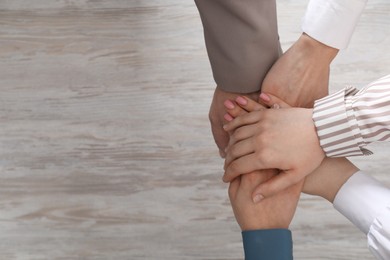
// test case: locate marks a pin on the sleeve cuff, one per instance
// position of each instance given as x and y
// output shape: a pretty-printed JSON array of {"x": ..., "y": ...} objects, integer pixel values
[
  {"x": 362, "y": 199},
  {"x": 332, "y": 22},
  {"x": 379, "y": 236},
  {"x": 268, "y": 244},
  {"x": 337, "y": 130}
]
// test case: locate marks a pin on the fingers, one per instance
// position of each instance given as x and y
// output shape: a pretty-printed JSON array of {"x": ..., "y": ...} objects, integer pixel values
[
  {"x": 246, "y": 119},
  {"x": 243, "y": 165},
  {"x": 241, "y": 105},
  {"x": 233, "y": 110},
  {"x": 276, "y": 184},
  {"x": 242, "y": 133},
  {"x": 272, "y": 101},
  {"x": 248, "y": 104},
  {"x": 238, "y": 150}
]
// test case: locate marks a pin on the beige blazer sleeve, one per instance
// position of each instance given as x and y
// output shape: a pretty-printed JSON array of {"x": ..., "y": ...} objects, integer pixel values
[{"x": 242, "y": 41}]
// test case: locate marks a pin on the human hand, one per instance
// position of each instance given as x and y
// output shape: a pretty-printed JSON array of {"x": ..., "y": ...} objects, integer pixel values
[
  {"x": 301, "y": 75},
  {"x": 272, "y": 212},
  {"x": 217, "y": 110},
  {"x": 324, "y": 181},
  {"x": 273, "y": 138}
]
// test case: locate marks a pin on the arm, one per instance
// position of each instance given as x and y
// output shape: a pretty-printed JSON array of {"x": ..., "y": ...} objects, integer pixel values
[
  {"x": 242, "y": 41},
  {"x": 265, "y": 234},
  {"x": 357, "y": 196},
  {"x": 301, "y": 75},
  {"x": 242, "y": 44}
]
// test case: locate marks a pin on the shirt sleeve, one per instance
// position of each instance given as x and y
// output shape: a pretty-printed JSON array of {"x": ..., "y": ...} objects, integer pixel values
[
  {"x": 267, "y": 244},
  {"x": 366, "y": 203},
  {"x": 332, "y": 22},
  {"x": 242, "y": 41},
  {"x": 348, "y": 120}
]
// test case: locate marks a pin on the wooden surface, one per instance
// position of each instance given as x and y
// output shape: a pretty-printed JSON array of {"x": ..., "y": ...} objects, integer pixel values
[{"x": 105, "y": 146}]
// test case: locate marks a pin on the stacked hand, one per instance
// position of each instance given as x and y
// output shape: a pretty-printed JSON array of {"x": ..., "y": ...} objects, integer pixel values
[
  {"x": 272, "y": 138},
  {"x": 273, "y": 212},
  {"x": 278, "y": 210},
  {"x": 260, "y": 139}
]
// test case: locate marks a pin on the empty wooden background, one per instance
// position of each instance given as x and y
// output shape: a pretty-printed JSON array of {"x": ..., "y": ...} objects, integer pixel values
[{"x": 105, "y": 147}]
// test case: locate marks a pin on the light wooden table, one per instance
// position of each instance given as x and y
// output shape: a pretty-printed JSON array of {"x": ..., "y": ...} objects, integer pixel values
[{"x": 105, "y": 146}]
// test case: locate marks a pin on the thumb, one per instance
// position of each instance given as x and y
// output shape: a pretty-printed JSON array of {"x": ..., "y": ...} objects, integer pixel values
[{"x": 276, "y": 184}]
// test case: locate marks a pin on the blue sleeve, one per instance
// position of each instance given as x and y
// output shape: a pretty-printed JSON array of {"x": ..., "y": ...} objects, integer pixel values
[{"x": 268, "y": 244}]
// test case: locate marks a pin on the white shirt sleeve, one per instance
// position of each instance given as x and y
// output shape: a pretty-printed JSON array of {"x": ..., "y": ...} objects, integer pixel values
[
  {"x": 332, "y": 22},
  {"x": 366, "y": 203}
]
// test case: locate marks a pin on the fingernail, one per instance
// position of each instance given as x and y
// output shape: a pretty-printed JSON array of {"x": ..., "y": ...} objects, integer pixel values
[
  {"x": 228, "y": 117},
  {"x": 258, "y": 198},
  {"x": 275, "y": 106},
  {"x": 241, "y": 101},
  {"x": 229, "y": 104},
  {"x": 265, "y": 97}
]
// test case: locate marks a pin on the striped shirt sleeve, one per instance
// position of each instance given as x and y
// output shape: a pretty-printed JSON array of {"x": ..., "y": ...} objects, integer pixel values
[{"x": 349, "y": 119}]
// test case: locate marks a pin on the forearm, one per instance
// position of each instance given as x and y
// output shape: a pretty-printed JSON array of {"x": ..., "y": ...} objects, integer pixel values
[
  {"x": 242, "y": 41},
  {"x": 329, "y": 177},
  {"x": 360, "y": 198},
  {"x": 301, "y": 75}
]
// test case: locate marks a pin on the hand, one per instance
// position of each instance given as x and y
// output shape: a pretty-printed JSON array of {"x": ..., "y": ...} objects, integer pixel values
[
  {"x": 273, "y": 212},
  {"x": 301, "y": 75},
  {"x": 327, "y": 179},
  {"x": 216, "y": 113},
  {"x": 275, "y": 138}
]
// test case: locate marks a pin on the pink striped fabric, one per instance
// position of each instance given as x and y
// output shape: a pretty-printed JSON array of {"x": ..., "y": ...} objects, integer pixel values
[{"x": 349, "y": 119}]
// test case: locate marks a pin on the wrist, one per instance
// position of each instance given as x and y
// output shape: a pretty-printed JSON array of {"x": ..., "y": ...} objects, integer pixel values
[
  {"x": 329, "y": 177},
  {"x": 317, "y": 49}
]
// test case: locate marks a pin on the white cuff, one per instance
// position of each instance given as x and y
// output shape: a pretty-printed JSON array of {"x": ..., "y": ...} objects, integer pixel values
[
  {"x": 362, "y": 199},
  {"x": 332, "y": 22},
  {"x": 379, "y": 236}
]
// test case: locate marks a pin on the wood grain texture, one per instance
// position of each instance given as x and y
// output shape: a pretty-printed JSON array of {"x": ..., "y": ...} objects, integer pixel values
[{"x": 105, "y": 146}]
